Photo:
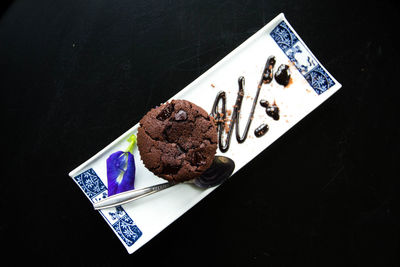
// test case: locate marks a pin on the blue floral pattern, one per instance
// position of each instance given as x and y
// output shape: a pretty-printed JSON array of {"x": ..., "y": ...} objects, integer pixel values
[
  {"x": 319, "y": 80},
  {"x": 124, "y": 226},
  {"x": 284, "y": 37},
  {"x": 121, "y": 222},
  {"x": 304, "y": 61},
  {"x": 91, "y": 184}
]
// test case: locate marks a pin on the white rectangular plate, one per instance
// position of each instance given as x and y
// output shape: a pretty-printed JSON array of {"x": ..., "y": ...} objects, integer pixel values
[{"x": 138, "y": 222}]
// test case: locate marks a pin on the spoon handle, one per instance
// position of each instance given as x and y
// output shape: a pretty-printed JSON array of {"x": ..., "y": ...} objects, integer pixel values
[{"x": 128, "y": 196}]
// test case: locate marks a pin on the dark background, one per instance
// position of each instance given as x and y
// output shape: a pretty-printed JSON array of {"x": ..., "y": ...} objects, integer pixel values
[{"x": 75, "y": 75}]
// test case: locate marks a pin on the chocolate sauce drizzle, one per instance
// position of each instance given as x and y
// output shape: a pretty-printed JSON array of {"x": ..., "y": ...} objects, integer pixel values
[{"x": 266, "y": 78}]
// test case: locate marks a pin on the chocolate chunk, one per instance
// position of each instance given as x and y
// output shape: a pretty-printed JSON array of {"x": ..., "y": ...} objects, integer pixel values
[
  {"x": 198, "y": 159},
  {"x": 165, "y": 112},
  {"x": 261, "y": 130},
  {"x": 264, "y": 103},
  {"x": 282, "y": 75},
  {"x": 171, "y": 169},
  {"x": 273, "y": 111},
  {"x": 181, "y": 115}
]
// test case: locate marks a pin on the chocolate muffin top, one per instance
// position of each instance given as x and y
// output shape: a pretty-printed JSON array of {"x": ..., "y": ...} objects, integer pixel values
[{"x": 177, "y": 141}]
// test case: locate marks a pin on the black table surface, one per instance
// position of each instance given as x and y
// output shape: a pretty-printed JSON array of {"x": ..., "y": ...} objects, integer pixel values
[{"x": 75, "y": 75}]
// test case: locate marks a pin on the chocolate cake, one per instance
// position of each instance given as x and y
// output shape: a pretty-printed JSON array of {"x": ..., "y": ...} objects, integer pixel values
[{"x": 177, "y": 140}]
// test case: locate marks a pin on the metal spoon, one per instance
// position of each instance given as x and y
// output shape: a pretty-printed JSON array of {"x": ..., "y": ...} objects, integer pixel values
[{"x": 220, "y": 170}]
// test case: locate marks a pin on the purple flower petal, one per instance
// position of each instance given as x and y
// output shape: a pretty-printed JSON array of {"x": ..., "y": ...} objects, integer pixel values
[
  {"x": 120, "y": 172},
  {"x": 128, "y": 180}
]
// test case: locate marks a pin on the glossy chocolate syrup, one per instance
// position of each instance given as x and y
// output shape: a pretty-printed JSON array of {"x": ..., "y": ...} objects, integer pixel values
[{"x": 266, "y": 78}]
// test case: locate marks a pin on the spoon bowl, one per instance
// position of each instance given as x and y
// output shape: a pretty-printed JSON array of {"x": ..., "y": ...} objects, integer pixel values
[{"x": 220, "y": 170}]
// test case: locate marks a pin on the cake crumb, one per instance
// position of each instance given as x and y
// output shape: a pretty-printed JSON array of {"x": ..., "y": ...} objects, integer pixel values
[
  {"x": 226, "y": 127},
  {"x": 290, "y": 82}
]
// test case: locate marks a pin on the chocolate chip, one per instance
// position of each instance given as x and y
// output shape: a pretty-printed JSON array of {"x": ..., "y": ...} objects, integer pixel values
[
  {"x": 273, "y": 111},
  {"x": 198, "y": 159},
  {"x": 282, "y": 76},
  {"x": 264, "y": 103},
  {"x": 165, "y": 113},
  {"x": 261, "y": 130},
  {"x": 181, "y": 115},
  {"x": 169, "y": 169}
]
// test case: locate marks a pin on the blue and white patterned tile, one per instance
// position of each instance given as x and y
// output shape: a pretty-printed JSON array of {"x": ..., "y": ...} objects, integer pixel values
[
  {"x": 122, "y": 224},
  {"x": 319, "y": 79},
  {"x": 302, "y": 58},
  {"x": 284, "y": 37},
  {"x": 91, "y": 185},
  {"x": 117, "y": 217}
]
